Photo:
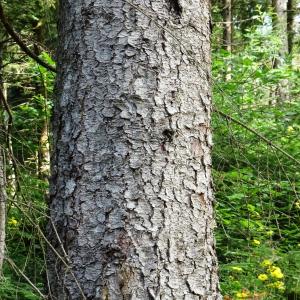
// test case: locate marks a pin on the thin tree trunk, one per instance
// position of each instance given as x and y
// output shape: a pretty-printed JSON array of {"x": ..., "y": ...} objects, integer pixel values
[
  {"x": 280, "y": 20},
  {"x": 43, "y": 152},
  {"x": 227, "y": 28},
  {"x": 227, "y": 31},
  {"x": 131, "y": 193},
  {"x": 290, "y": 24},
  {"x": 3, "y": 200},
  {"x": 3, "y": 197},
  {"x": 281, "y": 24}
]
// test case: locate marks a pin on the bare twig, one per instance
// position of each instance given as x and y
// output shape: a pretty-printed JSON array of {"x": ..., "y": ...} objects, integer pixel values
[
  {"x": 65, "y": 262},
  {"x": 267, "y": 141},
  {"x": 19, "y": 271}
]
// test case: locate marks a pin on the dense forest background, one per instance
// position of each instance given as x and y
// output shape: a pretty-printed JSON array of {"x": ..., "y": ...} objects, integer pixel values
[{"x": 256, "y": 157}]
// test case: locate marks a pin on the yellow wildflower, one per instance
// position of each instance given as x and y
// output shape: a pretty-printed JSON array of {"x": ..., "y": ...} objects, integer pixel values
[
  {"x": 270, "y": 233},
  {"x": 297, "y": 204},
  {"x": 279, "y": 285},
  {"x": 266, "y": 263},
  {"x": 12, "y": 221},
  {"x": 263, "y": 277},
  {"x": 290, "y": 129},
  {"x": 237, "y": 269},
  {"x": 276, "y": 272},
  {"x": 242, "y": 295},
  {"x": 256, "y": 242}
]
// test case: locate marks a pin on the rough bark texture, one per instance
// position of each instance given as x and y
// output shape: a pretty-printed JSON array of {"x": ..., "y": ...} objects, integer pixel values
[{"x": 131, "y": 192}]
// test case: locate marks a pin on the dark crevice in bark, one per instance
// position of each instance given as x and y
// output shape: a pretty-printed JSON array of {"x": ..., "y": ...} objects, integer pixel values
[
  {"x": 175, "y": 7},
  {"x": 168, "y": 135}
]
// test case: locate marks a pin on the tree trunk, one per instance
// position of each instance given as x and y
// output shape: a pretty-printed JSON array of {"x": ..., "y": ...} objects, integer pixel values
[
  {"x": 280, "y": 8},
  {"x": 3, "y": 196},
  {"x": 281, "y": 22},
  {"x": 227, "y": 28},
  {"x": 43, "y": 152},
  {"x": 131, "y": 192},
  {"x": 2, "y": 206},
  {"x": 227, "y": 31},
  {"x": 290, "y": 24}
]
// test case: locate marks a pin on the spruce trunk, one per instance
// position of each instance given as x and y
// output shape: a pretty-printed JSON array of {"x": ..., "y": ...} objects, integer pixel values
[{"x": 131, "y": 191}]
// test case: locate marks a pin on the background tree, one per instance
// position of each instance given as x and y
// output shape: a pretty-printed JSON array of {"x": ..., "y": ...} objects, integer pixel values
[
  {"x": 3, "y": 197},
  {"x": 2, "y": 210},
  {"x": 281, "y": 25},
  {"x": 228, "y": 25},
  {"x": 281, "y": 21},
  {"x": 227, "y": 30},
  {"x": 291, "y": 12}
]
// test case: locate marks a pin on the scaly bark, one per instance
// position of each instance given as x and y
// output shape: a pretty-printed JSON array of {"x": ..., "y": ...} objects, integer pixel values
[{"x": 131, "y": 192}]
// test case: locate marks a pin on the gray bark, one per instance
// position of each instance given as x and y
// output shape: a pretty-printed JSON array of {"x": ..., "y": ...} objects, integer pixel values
[{"x": 131, "y": 192}]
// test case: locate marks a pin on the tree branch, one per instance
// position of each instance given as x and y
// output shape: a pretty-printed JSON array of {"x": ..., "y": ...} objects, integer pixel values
[
  {"x": 19, "y": 271},
  {"x": 267, "y": 141},
  {"x": 21, "y": 44}
]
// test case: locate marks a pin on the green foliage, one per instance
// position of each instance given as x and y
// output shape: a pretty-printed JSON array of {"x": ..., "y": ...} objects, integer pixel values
[
  {"x": 257, "y": 187},
  {"x": 11, "y": 289},
  {"x": 34, "y": 19},
  {"x": 29, "y": 94}
]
